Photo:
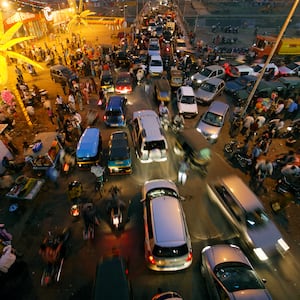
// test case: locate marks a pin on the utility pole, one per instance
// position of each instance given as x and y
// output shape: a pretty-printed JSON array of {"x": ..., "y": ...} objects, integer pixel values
[{"x": 261, "y": 74}]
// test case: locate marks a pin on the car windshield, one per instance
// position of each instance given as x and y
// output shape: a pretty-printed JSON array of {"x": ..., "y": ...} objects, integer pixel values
[
  {"x": 188, "y": 100},
  {"x": 292, "y": 66},
  {"x": 236, "y": 276},
  {"x": 257, "y": 68},
  {"x": 208, "y": 87},
  {"x": 153, "y": 47},
  {"x": 181, "y": 44},
  {"x": 156, "y": 63},
  {"x": 170, "y": 251},
  {"x": 118, "y": 154},
  {"x": 161, "y": 192},
  {"x": 155, "y": 145},
  {"x": 205, "y": 72},
  {"x": 213, "y": 119},
  {"x": 123, "y": 80},
  {"x": 256, "y": 218}
]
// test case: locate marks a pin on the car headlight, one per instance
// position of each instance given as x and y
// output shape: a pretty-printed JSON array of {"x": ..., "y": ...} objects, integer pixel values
[
  {"x": 284, "y": 246},
  {"x": 214, "y": 136},
  {"x": 259, "y": 252}
]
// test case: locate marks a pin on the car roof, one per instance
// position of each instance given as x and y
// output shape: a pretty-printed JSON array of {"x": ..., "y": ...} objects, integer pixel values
[
  {"x": 215, "y": 67},
  {"x": 241, "y": 192},
  {"x": 187, "y": 90},
  {"x": 218, "y": 107}
]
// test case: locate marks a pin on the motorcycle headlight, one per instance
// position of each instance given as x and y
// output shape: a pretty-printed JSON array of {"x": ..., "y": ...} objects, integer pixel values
[
  {"x": 261, "y": 255},
  {"x": 214, "y": 136}
]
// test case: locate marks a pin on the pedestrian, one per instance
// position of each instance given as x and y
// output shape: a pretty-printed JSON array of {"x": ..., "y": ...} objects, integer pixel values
[
  {"x": 71, "y": 101},
  {"x": 59, "y": 102},
  {"x": 182, "y": 172},
  {"x": 255, "y": 154},
  {"x": 50, "y": 114},
  {"x": 78, "y": 96},
  {"x": 253, "y": 130},
  {"x": 85, "y": 93},
  {"x": 292, "y": 110},
  {"x": 263, "y": 168},
  {"x": 248, "y": 120},
  {"x": 52, "y": 174},
  {"x": 19, "y": 73}
]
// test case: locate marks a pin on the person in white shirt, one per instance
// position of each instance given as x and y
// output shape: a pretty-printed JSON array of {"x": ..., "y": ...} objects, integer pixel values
[{"x": 7, "y": 258}]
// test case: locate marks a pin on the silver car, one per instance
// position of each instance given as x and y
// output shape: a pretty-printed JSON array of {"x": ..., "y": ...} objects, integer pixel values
[
  {"x": 211, "y": 122},
  {"x": 229, "y": 274},
  {"x": 209, "y": 90},
  {"x": 213, "y": 71},
  {"x": 247, "y": 215}
]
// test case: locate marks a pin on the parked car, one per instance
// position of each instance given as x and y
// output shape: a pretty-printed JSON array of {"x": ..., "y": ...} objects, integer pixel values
[
  {"x": 186, "y": 102},
  {"x": 124, "y": 83},
  {"x": 207, "y": 73},
  {"x": 114, "y": 115},
  {"x": 209, "y": 90},
  {"x": 119, "y": 158},
  {"x": 240, "y": 83},
  {"x": 229, "y": 274},
  {"x": 211, "y": 122},
  {"x": 291, "y": 69},
  {"x": 270, "y": 72},
  {"x": 247, "y": 215}
]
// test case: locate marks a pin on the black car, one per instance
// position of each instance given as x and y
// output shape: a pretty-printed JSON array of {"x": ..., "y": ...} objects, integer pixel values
[
  {"x": 122, "y": 60},
  {"x": 239, "y": 83}
]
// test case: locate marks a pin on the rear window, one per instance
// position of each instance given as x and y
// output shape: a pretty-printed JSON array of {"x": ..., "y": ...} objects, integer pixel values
[
  {"x": 155, "y": 145},
  {"x": 113, "y": 113},
  {"x": 170, "y": 251}
]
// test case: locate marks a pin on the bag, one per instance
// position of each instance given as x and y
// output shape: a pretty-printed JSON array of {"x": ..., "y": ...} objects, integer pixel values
[{"x": 37, "y": 147}]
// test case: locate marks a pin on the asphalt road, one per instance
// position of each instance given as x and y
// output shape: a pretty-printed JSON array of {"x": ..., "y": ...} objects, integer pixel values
[{"x": 50, "y": 211}]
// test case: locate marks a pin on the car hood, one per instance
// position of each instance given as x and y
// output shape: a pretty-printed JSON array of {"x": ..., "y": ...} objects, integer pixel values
[
  {"x": 208, "y": 129},
  {"x": 232, "y": 86},
  {"x": 265, "y": 237},
  {"x": 204, "y": 95},
  {"x": 187, "y": 108},
  {"x": 258, "y": 294},
  {"x": 285, "y": 70},
  {"x": 199, "y": 77}
]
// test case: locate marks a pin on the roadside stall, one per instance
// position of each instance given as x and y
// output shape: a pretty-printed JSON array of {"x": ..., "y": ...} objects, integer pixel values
[{"x": 44, "y": 152}]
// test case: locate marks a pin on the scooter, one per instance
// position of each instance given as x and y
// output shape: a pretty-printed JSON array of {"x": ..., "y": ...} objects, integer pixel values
[
  {"x": 52, "y": 271},
  {"x": 115, "y": 209}
]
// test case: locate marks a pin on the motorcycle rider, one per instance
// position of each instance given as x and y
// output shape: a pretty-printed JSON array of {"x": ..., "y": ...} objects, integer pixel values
[
  {"x": 178, "y": 121},
  {"x": 89, "y": 216},
  {"x": 163, "y": 110}
]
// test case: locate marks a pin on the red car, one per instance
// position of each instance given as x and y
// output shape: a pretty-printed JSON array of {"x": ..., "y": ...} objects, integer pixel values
[{"x": 124, "y": 83}]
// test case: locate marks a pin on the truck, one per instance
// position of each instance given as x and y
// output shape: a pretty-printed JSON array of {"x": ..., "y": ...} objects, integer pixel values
[{"x": 264, "y": 44}]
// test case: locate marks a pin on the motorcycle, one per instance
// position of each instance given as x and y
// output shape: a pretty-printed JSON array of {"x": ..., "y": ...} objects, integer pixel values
[
  {"x": 140, "y": 76},
  {"x": 99, "y": 172},
  {"x": 115, "y": 209},
  {"x": 286, "y": 186},
  {"x": 53, "y": 251},
  {"x": 90, "y": 219},
  {"x": 67, "y": 160},
  {"x": 235, "y": 152},
  {"x": 74, "y": 195},
  {"x": 165, "y": 122}
]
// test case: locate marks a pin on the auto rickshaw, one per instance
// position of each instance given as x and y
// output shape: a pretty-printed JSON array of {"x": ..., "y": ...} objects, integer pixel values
[
  {"x": 177, "y": 79},
  {"x": 192, "y": 145}
]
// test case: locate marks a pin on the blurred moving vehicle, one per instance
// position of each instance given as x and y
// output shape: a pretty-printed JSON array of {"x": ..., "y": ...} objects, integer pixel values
[
  {"x": 186, "y": 102},
  {"x": 112, "y": 280},
  {"x": 167, "y": 241},
  {"x": 229, "y": 274},
  {"x": 246, "y": 213},
  {"x": 211, "y": 122},
  {"x": 63, "y": 74}
]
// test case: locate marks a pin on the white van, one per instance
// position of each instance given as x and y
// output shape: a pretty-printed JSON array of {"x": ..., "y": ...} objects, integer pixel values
[
  {"x": 186, "y": 102},
  {"x": 167, "y": 241},
  {"x": 148, "y": 138}
]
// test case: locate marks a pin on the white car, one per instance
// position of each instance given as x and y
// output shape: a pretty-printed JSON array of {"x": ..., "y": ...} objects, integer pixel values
[
  {"x": 156, "y": 66},
  {"x": 291, "y": 69},
  {"x": 180, "y": 46},
  {"x": 207, "y": 73},
  {"x": 271, "y": 70},
  {"x": 154, "y": 47},
  {"x": 186, "y": 102}
]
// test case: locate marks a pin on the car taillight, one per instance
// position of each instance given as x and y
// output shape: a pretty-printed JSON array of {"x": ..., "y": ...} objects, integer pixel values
[
  {"x": 104, "y": 117},
  {"x": 190, "y": 257},
  {"x": 151, "y": 259}
]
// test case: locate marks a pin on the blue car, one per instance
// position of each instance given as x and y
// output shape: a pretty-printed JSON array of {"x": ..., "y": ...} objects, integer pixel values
[
  {"x": 240, "y": 83},
  {"x": 114, "y": 115},
  {"x": 119, "y": 158}
]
